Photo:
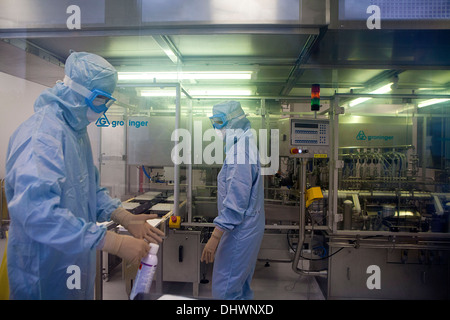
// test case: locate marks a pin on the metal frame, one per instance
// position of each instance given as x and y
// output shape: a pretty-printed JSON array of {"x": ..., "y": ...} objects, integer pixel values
[{"x": 334, "y": 112}]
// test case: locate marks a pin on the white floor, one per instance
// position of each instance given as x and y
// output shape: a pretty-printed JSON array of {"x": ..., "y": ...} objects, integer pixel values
[{"x": 274, "y": 282}]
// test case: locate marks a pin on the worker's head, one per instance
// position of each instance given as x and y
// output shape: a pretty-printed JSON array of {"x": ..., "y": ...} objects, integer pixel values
[
  {"x": 91, "y": 71},
  {"x": 229, "y": 115},
  {"x": 232, "y": 126},
  {"x": 93, "y": 78}
]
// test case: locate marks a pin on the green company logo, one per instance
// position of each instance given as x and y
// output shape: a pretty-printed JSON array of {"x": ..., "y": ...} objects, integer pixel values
[{"x": 362, "y": 136}]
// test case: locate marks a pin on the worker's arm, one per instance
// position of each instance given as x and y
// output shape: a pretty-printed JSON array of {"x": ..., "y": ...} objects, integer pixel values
[
  {"x": 209, "y": 251},
  {"x": 137, "y": 225},
  {"x": 109, "y": 208},
  {"x": 35, "y": 178},
  {"x": 239, "y": 180},
  {"x": 105, "y": 203}
]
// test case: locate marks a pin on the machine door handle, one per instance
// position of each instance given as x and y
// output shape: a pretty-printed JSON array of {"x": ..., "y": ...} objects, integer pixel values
[{"x": 180, "y": 254}]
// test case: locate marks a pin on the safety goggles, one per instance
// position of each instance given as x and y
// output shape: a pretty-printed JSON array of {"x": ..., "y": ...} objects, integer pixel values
[
  {"x": 98, "y": 100},
  {"x": 219, "y": 120}
]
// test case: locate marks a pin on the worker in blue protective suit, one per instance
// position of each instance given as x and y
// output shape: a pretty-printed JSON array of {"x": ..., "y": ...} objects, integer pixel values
[
  {"x": 53, "y": 193},
  {"x": 239, "y": 226}
]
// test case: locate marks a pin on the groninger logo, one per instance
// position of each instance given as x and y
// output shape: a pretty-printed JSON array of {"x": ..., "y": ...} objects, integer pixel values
[
  {"x": 361, "y": 135},
  {"x": 102, "y": 121}
]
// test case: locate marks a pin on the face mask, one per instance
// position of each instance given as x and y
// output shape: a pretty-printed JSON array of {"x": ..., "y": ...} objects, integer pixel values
[
  {"x": 220, "y": 133},
  {"x": 92, "y": 116}
]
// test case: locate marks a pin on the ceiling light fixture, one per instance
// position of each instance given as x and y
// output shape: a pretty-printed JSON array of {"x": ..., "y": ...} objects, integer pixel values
[
  {"x": 197, "y": 93},
  {"x": 217, "y": 75},
  {"x": 431, "y": 102},
  {"x": 158, "y": 93},
  {"x": 209, "y": 93},
  {"x": 384, "y": 89}
]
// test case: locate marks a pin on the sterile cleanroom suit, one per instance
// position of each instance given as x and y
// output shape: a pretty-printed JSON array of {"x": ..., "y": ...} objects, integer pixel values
[
  {"x": 53, "y": 193},
  {"x": 240, "y": 201}
]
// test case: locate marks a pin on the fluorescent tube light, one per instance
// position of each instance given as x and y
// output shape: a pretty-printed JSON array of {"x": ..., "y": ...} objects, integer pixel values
[
  {"x": 384, "y": 89},
  {"x": 237, "y": 92},
  {"x": 430, "y": 102},
  {"x": 196, "y": 93},
  {"x": 218, "y": 75},
  {"x": 158, "y": 93},
  {"x": 357, "y": 101}
]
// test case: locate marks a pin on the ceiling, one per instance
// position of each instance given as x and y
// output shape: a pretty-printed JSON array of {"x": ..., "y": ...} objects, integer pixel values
[{"x": 284, "y": 65}]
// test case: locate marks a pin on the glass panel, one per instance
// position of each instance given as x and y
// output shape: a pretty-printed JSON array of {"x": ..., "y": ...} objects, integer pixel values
[{"x": 394, "y": 176}]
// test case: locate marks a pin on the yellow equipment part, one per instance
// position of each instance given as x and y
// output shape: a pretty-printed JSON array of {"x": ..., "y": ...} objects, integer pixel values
[
  {"x": 175, "y": 222},
  {"x": 4, "y": 282},
  {"x": 313, "y": 194}
]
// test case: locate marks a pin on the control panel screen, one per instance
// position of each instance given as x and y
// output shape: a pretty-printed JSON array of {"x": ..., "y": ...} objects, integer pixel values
[
  {"x": 310, "y": 138},
  {"x": 310, "y": 133}
]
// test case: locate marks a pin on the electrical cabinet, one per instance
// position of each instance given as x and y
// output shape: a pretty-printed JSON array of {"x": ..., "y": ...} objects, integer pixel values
[{"x": 181, "y": 258}]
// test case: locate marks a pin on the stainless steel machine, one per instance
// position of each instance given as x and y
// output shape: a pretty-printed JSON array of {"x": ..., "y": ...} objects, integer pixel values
[
  {"x": 381, "y": 229},
  {"x": 352, "y": 193}
]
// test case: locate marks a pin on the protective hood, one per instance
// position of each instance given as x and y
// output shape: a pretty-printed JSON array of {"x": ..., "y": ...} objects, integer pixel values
[
  {"x": 237, "y": 120},
  {"x": 88, "y": 70},
  {"x": 232, "y": 108}
]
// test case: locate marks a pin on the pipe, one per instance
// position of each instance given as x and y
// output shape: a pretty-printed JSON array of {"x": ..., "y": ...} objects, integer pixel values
[
  {"x": 176, "y": 191},
  {"x": 438, "y": 205},
  {"x": 146, "y": 174},
  {"x": 346, "y": 244},
  {"x": 141, "y": 181},
  {"x": 301, "y": 229},
  {"x": 348, "y": 214},
  {"x": 189, "y": 172},
  {"x": 357, "y": 205},
  {"x": 406, "y": 194}
]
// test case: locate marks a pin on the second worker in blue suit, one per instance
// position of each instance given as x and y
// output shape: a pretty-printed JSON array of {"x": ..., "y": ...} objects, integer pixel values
[{"x": 239, "y": 226}]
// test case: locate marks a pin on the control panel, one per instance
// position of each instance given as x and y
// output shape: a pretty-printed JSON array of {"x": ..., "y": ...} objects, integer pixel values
[{"x": 310, "y": 138}]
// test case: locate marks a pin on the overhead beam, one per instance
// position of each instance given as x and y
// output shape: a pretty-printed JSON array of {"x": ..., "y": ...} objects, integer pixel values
[
  {"x": 169, "y": 48},
  {"x": 367, "y": 64},
  {"x": 383, "y": 76},
  {"x": 297, "y": 70},
  {"x": 160, "y": 30}
]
